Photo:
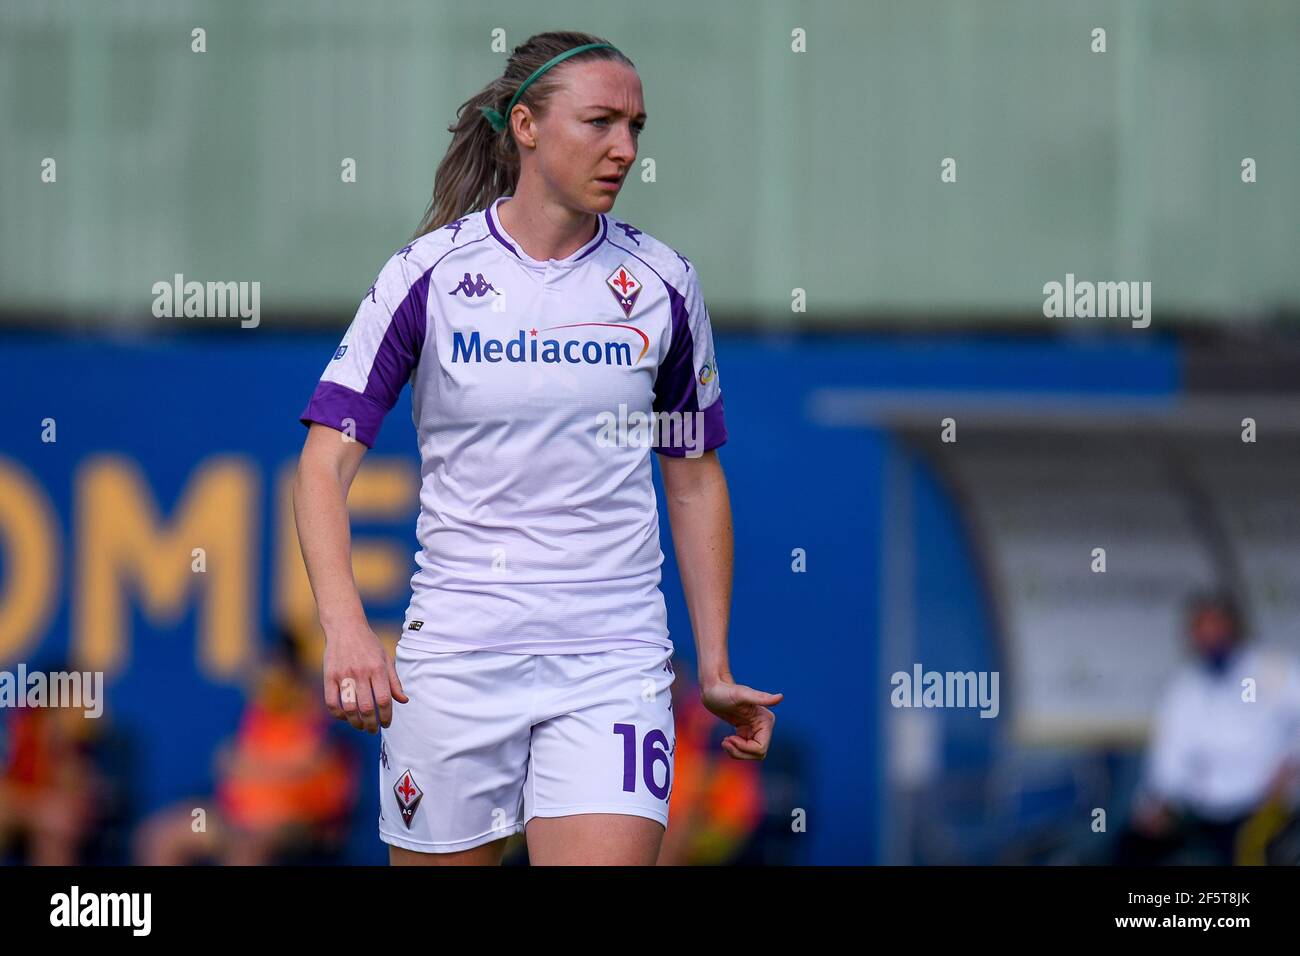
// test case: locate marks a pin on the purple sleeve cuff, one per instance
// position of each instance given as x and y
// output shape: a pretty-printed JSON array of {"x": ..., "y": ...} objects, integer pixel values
[
  {"x": 331, "y": 403},
  {"x": 715, "y": 433}
]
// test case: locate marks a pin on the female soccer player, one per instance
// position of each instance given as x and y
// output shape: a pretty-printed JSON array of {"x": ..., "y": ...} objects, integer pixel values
[{"x": 548, "y": 347}]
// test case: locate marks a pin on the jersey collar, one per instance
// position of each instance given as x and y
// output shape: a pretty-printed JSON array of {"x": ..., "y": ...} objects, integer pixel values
[{"x": 513, "y": 248}]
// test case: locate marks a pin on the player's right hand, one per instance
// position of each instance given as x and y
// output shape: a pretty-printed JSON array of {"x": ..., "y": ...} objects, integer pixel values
[{"x": 360, "y": 679}]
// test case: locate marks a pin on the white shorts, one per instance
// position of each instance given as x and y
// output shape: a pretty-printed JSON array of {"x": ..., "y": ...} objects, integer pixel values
[{"x": 489, "y": 740}]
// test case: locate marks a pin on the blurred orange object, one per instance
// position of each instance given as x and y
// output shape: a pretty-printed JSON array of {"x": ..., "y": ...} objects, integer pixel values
[
  {"x": 285, "y": 770},
  {"x": 716, "y": 798}
]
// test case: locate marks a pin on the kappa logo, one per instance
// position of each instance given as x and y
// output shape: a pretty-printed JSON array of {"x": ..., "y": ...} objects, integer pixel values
[
  {"x": 478, "y": 286},
  {"x": 625, "y": 286},
  {"x": 409, "y": 796},
  {"x": 629, "y": 230},
  {"x": 383, "y": 751}
]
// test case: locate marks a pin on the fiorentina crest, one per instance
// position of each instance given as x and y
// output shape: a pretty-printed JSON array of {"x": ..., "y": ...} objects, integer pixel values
[
  {"x": 408, "y": 797},
  {"x": 626, "y": 287}
]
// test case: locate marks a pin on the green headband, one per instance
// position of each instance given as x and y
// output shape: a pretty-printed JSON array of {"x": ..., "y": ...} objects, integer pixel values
[{"x": 498, "y": 121}]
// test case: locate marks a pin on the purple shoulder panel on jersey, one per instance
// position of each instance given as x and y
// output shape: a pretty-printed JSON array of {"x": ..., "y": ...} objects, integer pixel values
[
  {"x": 674, "y": 386},
  {"x": 675, "y": 383},
  {"x": 333, "y": 404},
  {"x": 395, "y": 360},
  {"x": 714, "y": 428},
  {"x": 399, "y": 352}
]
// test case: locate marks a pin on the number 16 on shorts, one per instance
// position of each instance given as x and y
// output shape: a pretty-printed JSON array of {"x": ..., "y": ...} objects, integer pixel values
[{"x": 642, "y": 759}]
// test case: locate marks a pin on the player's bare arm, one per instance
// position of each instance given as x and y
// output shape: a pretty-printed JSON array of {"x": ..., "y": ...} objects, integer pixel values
[
  {"x": 699, "y": 510},
  {"x": 360, "y": 680}
]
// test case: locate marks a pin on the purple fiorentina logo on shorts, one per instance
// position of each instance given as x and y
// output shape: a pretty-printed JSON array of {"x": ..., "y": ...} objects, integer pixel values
[{"x": 408, "y": 797}]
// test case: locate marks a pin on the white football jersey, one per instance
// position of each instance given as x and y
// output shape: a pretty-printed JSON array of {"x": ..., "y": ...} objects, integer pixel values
[{"x": 538, "y": 391}]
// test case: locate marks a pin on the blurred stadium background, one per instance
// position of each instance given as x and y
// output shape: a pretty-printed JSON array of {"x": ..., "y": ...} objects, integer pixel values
[{"x": 774, "y": 171}]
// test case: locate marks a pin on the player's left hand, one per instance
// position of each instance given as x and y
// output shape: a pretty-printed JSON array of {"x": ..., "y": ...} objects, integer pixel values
[{"x": 745, "y": 709}]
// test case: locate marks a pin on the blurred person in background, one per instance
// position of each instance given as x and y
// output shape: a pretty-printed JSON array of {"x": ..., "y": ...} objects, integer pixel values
[
  {"x": 285, "y": 784},
  {"x": 63, "y": 786},
  {"x": 716, "y": 803},
  {"x": 1223, "y": 760}
]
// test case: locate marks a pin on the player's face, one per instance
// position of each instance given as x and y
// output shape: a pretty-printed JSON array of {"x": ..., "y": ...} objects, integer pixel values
[{"x": 588, "y": 136}]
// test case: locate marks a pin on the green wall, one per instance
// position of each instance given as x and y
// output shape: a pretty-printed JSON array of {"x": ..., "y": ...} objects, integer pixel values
[{"x": 775, "y": 169}]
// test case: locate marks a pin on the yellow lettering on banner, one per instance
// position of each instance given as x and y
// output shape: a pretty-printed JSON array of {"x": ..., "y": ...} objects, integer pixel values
[
  {"x": 29, "y": 541},
  {"x": 123, "y": 544}
]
